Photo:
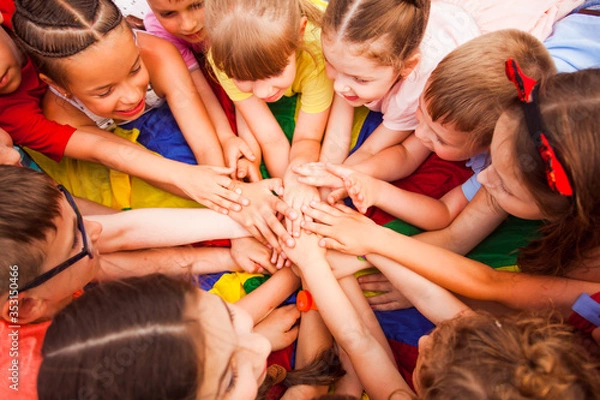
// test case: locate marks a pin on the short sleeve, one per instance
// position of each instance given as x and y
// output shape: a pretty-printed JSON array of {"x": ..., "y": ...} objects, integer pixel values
[{"x": 478, "y": 164}]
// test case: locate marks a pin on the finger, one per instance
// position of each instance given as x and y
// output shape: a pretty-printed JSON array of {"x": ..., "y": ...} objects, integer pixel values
[
  {"x": 337, "y": 195},
  {"x": 330, "y": 243},
  {"x": 253, "y": 173},
  {"x": 382, "y": 298},
  {"x": 222, "y": 170},
  {"x": 232, "y": 160},
  {"x": 246, "y": 151},
  {"x": 242, "y": 170},
  {"x": 342, "y": 172},
  {"x": 274, "y": 185}
]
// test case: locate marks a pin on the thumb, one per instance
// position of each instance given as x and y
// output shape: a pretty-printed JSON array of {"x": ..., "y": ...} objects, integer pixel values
[
  {"x": 337, "y": 195},
  {"x": 222, "y": 170}
]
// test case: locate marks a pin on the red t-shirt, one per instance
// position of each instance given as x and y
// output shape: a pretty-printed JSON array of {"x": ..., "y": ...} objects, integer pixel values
[
  {"x": 20, "y": 359},
  {"x": 7, "y": 9},
  {"x": 21, "y": 116}
]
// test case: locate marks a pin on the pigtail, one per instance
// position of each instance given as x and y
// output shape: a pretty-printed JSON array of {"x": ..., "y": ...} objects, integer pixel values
[
  {"x": 50, "y": 30},
  {"x": 324, "y": 370}
]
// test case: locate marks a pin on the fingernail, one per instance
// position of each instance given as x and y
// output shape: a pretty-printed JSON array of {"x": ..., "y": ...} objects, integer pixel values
[{"x": 290, "y": 243}]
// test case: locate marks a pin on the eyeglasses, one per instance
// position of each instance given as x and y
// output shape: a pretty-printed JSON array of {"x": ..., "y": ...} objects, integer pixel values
[{"x": 85, "y": 251}]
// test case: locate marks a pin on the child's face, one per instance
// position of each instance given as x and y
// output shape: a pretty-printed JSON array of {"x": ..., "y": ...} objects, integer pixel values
[
  {"x": 501, "y": 180},
  {"x": 60, "y": 245},
  {"x": 448, "y": 143},
  {"x": 357, "y": 79},
  {"x": 236, "y": 355},
  {"x": 10, "y": 65},
  {"x": 110, "y": 77},
  {"x": 182, "y": 18},
  {"x": 271, "y": 89},
  {"x": 8, "y": 154}
]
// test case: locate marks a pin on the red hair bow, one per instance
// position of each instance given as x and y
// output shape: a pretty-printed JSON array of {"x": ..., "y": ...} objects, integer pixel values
[{"x": 527, "y": 89}]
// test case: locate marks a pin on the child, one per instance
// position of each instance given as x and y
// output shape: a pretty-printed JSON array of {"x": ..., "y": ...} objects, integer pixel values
[
  {"x": 380, "y": 54},
  {"x": 20, "y": 99},
  {"x": 509, "y": 357},
  {"x": 456, "y": 121},
  {"x": 520, "y": 181},
  {"x": 262, "y": 51},
  {"x": 125, "y": 87},
  {"x": 182, "y": 23},
  {"x": 130, "y": 88},
  {"x": 49, "y": 251},
  {"x": 203, "y": 334}
]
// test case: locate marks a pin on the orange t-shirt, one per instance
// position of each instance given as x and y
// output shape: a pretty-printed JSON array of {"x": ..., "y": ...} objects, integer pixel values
[{"x": 20, "y": 359}]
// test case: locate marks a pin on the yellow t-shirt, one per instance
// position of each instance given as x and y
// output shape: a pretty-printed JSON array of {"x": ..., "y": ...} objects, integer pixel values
[{"x": 311, "y": 82}]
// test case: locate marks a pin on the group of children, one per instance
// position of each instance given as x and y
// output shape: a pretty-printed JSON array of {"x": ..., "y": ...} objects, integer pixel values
[{"x": 254, "y": 120}]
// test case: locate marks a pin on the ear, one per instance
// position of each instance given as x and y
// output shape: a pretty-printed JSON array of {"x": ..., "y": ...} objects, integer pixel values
[
  {"x": 23, "y": 309},
  {"x": 55, "y": 85},
  {"x": 303, "y": 22},
  {"x": 410, "y": 64}
]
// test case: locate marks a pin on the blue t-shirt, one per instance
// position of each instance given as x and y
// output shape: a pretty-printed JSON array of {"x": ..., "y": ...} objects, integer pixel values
[
  {"x": 477, "y": 163},
  {"x": 575, "y": 40}
]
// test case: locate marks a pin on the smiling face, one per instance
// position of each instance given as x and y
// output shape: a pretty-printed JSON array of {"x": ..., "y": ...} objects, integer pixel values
[
  {"x": 235, "y": 357},
  {"x": 10, "y": 64},
  {"x": 357, "y": 79},
  {"x": 109, "y": 77},
  {"x": 501, "y": 179},
  {"x": 271, "y": 89},
  {"x": 181, "y": 18}
]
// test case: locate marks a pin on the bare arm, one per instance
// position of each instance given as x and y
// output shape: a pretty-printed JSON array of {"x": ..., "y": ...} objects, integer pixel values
[
  {"x": 338, "y": 135},
  {"x": 159, "y": 227},
  {"x": 170, "y": 77},
  {"x": 344, "y": 322}
]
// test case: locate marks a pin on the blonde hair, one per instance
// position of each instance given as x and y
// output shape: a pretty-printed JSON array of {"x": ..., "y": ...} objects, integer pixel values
[
  {"x": 520, "y": 356},
  {"x": 469, "y": 90},
  {"x": 253, "y": 39},
  {"x": 387, "y": 31}
]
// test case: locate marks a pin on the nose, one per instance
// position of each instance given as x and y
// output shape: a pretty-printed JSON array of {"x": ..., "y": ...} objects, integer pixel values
[
  {"x": 93, "y": 230},
  {"x": 339, "y": 84},
  {"x": 188, "y": 23},
  {"x": 262, "y": 89}
]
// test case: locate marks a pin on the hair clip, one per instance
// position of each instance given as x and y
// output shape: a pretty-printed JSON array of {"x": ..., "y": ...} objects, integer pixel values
[{"x": 527, "y": 89}]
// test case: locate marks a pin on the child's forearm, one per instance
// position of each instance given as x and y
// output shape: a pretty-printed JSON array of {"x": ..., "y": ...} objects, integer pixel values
[
  {"x": 159, "y": 227},
  {"x": 270, "y": 294},
  {"x": 476, "y": 280},
  {"x": 182, "y": 260},
  {"x": 213, "y": 107},
  {"x": 422, "y": 211},
  {"x": 426, "y": 296},
  {"x": 338, "y": 135},
  {"x": 393, "y": 163},
  {"x": 347, "y": 328}
]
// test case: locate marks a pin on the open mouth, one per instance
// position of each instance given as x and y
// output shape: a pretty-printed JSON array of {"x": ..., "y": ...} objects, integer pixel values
[{"x": 134, "y": 111}]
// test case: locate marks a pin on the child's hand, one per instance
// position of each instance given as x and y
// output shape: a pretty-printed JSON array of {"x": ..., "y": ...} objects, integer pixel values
[
  {"x": 316, "y": 174},
  {"x": 247, "y": 170},
  {"x": 297, "y": 195},
  {"x": 253, "y": 256},
  {"x": 211, "y": 186},
  {"x": 360, "y": 187},
  {"x": 342, "y": 228},
  {"x": 305, "y": 251},
  {"x": 260, "y": 217},
  {"x": 280, "y": 326},
  {"x": 235, "y": 148},
  {"x": 391, "y": 299}
]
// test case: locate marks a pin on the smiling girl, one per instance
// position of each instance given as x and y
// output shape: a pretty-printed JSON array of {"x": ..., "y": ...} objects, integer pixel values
[{"x": 261, "y": 51}]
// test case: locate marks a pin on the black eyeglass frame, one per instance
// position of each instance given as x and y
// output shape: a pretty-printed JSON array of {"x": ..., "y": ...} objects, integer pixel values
[{"x": 85, "y": 251}]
